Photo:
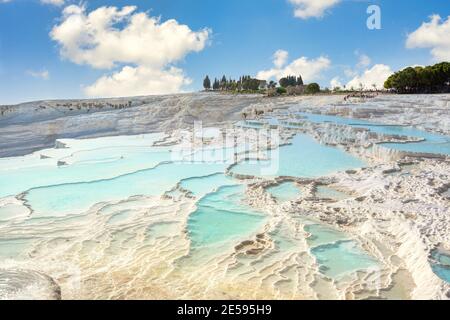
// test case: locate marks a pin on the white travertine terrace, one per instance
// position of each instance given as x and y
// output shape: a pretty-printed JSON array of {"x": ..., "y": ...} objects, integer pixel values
[{"x": 140, "y": 248}]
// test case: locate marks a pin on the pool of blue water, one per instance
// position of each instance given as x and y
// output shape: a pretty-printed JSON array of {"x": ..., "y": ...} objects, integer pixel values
[
  {"x": 305, "y": 157},
  {"x": 336, "y": 253},
  {"x": 440, "y": 263},
  {"x": 200, "y": 186},
  {"x": 222, "y": 216},
  {"x": 341, "y": 258},
  {"x": 285, "y": 191},
  {"x": 77, "y": 197},
  {"x": 327, "y": 192},
  {"x": 104, "y": 164},
  {"x": 434, "y": 143}
]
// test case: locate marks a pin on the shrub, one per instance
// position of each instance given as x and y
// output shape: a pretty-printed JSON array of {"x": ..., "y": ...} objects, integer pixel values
[
  {"x": 312, "y": 88},
  {"x": 281, "y": 90}
]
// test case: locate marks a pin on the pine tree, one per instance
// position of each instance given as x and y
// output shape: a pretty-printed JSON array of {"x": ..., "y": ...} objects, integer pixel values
[
  {"x": 223, "y": 83},
  {"x": 216, "y": 84},
  {"x": 207, "y": 83}
]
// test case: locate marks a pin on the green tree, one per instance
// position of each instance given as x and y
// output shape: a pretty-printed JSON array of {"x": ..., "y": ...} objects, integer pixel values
[
  {"x": 207, "y": 83},
  {"x": 253, "y": 84},
  {"x": 216, "y": 84},
  {"x": 223, "y": 83},
  {"x": 284, "y": 82},
  {"x": 430, "y": 79},
  {"x": 312, "y": 88},
  {"x": 291, "y": 81}
]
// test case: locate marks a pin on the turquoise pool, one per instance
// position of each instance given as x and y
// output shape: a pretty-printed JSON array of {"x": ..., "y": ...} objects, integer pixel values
[
  {"x": 222, "y": 216},
  {"x": 440, "y": 263},
  {"x": 336, "y": 254},
  {"x": 285, "y": 191},
  {"x": 305, "y": 157},
  {"x": 434, "y": 143}
]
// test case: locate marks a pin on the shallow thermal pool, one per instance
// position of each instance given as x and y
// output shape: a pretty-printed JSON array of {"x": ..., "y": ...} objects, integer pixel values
[
  {"x": 55, "y": 195},
  {"x": 78, "y": 197},
  {"x": 336, "y": 253},
  {"x": 327, "y": 192},
  {"x": 433, "y": 143},
  {"x": 305, "y": 157},
  {"x": 285, "y": 191},
  {"x": 200, "y": 186},
  {"x": 440, "y": 263},
  {"x": 221, "y": 216}
]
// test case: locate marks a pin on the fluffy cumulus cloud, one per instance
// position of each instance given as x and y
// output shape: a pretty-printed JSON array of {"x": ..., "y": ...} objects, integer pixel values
[
  {"x": 305, "y": 9},
  {"x": 280, "y": 58},
  {"x": 370, "y": 77},
  {"x": 143, "y": 48},
  {"x": 335, "y": 83},
  {"x": 309, "y": 69},
  {"x": 363, "y": 62},
  {"x": 44, "y": 74},
  {"x": 435, "y": 35},
  {"x": 363, "y": 75},
  {"x": 139, "y": 81}
]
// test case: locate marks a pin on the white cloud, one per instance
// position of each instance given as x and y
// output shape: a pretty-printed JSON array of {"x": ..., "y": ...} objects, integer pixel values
[
  {"x": 96, "y": 38},
  {"x": 363, "y": 60},
  {"x": 137, "y": 81},
  {"x": 44, "y": 74},
  {"x": 280, "y": 58},
  {"x": 362, "y": 75},
  {"x": 309, "y": 69},
  {"x": 434, "y": 34},
  {"x": 54, "y": 2},
  {"x": 144, "y": 47},
  {"x": 335, "y": 82},
  {"x": 350, "y": 72},
  {"x": 361, "y": 66},
  {"x": 305, "y": 9},
  {"x": 376, "y": 75}
]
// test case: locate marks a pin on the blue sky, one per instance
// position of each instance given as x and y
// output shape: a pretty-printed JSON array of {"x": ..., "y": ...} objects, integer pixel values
[{"x": 229, "y": 37}]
